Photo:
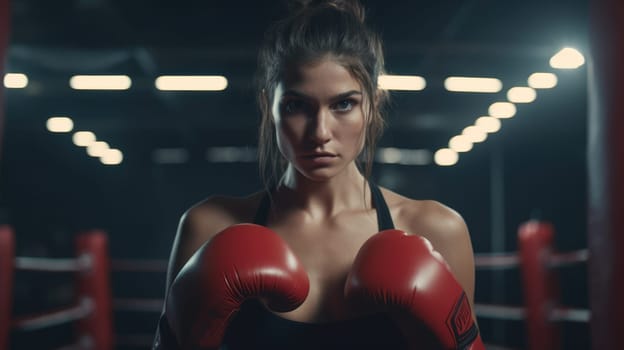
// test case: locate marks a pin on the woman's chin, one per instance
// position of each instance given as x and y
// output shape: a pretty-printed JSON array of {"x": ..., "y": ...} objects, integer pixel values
[
  {"x": 320, "y": 174},
  {"x": 324, "y": 174}
]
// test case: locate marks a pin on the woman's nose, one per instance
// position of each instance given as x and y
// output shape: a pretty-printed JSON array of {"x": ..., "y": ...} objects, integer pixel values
[{"x": 319, "y": 127}]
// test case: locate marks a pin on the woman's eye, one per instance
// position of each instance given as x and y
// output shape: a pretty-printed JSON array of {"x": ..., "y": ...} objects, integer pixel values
[
  {"x": 292, "y": 106},
  {"x": 344, "y": 106}
]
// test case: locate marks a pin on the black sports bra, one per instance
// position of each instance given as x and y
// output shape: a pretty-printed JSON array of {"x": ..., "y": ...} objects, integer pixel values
[{"x": 256, "y": 327}]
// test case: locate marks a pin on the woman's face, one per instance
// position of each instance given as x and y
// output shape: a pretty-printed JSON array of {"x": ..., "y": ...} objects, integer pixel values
[{"x": 319, "y": 119}]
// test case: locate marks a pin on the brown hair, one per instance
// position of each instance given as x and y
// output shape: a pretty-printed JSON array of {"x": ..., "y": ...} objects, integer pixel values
[{"x": 312, "y": 31}]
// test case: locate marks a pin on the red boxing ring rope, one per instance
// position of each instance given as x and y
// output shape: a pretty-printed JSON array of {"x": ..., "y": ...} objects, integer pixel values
[
  {"x": 501, "y": 312},
  {"x": 500, "y": 261},
  {"x": 518, "y": 313},
  {"x": 141, "y": 305},
  {"x": 496, "y": 261},
  {"x": 154, "y": 305},
  {"x": 82, "y": 263},
  {"x": 139, "y": 266},
  {"x": 53, "y": 318},
  {"x": 564, "y": 259}
]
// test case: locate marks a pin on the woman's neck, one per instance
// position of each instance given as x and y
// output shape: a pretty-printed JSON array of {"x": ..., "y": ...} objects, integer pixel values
[{"x": 323, "y": 198}]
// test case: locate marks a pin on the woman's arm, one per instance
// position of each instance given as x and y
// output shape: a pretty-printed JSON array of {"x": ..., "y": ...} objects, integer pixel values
[
  {"x": 448, "y": 233},
  {"x": 197, "y": 225}
]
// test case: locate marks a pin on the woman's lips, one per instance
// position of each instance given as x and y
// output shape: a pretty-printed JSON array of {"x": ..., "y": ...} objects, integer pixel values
[
  {"x": 320, "y": 158},
  {"x": 315, "y": 155}
]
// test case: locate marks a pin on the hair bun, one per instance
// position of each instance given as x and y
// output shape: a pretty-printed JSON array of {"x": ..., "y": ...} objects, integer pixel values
[{"x": 351, "y": 6}]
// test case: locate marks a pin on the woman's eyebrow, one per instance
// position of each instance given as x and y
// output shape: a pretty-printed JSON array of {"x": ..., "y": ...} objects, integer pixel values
[
  {"x": 347, "y": 94},
  {"x": 337, "y": 97}
]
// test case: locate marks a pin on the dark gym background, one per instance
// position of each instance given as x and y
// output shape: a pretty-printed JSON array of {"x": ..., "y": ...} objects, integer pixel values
[{"x": 51, "y": 190}]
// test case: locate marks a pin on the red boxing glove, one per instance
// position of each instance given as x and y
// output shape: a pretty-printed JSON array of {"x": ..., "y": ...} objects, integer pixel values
[
  {"x": 402, "y": 273},
  {"x": 243, "y": 261}
]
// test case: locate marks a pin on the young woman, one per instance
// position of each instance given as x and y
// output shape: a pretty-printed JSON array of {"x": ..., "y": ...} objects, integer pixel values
[{"x": 321, "y": 119}]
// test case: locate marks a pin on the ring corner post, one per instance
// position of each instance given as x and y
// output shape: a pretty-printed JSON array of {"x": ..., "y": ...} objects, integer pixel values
[
  {"x": 535, "y": 241},
  {"x": 94, "y": 289},
  {"x": 7, "y": 256}
]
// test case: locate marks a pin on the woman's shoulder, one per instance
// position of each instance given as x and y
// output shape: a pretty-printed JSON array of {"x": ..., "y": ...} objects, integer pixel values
[
  {"x": 418, "y": 208},
  {"x": 220, "y": 211},
  {"x": 431, "y": 219},
  {"x": 205, "y": 219}
]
